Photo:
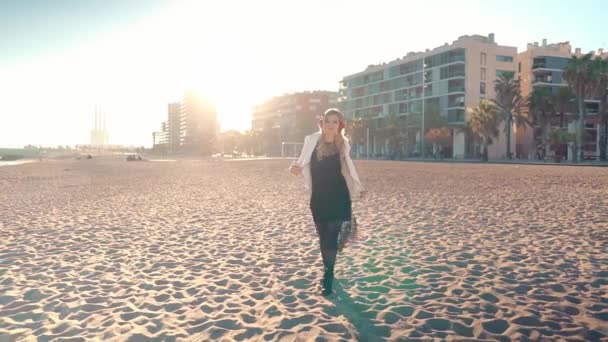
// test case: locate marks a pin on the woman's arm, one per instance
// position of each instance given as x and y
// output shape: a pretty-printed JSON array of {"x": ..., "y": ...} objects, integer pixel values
[
  {"x": 296, "y": 166},
  {"x": 302, "y": 156},
  {"x": 352, "y": 171}
]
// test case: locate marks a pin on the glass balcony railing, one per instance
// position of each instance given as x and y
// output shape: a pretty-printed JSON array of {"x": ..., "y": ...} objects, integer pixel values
[
  {"x": 539, "y": 66},
  {"x": 544, "y": 80},
  {"x": 456, "y": 104},
  {"x": 459, "y": 58},
  {"x": 456, "y": 116},
  {"x": 456, "y": 89},
  {"x": 456, "y": 74}
]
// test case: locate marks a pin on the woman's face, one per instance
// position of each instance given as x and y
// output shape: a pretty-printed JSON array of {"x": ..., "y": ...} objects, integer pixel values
[{"x": 331, "y": 124}]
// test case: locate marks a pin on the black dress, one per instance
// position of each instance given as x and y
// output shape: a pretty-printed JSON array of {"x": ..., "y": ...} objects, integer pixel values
[
  {"x": 330, "y": 200},
  {"x": 331, "y": 205}
]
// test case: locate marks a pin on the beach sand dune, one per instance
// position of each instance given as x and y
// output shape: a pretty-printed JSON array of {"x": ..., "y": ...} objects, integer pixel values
[{"x": 103, "y": 249}]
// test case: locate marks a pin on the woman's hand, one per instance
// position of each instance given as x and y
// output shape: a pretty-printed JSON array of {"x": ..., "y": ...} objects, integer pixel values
[{"x": 295, "y": 169}]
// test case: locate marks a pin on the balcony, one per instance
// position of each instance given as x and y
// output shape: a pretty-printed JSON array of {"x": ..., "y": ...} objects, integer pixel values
[
  {"x": 541, "y": 65},
  {"x": 459, "y": 58},
  {"x": 456, "y": 104},
  {"x": 456, "y": 89},
  {"x": 546, "y": 80},
  {"x": 456, "y": 116}
]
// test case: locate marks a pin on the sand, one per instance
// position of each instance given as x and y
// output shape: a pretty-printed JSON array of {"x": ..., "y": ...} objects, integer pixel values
[{"x": 214, "y": 250}]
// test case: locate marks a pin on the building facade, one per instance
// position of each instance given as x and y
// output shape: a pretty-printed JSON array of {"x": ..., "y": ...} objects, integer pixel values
[
  {"x": 289, "y": 118},
  {"x": 198, "y": 126},
  {"x": 542, "y": 67},
  {"x": 99, "y": 134},
  {"x": 173, "y": 126},
  {"x": 443, "y": 85}
]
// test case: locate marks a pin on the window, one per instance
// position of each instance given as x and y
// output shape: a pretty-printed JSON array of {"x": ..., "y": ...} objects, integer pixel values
[
  {"x": 483, "y": 58},
  {"x": 312, "y": 108},
  {"x": 482, "y": 88},
  {"x": 519, "y": 67},
  {"x": 507, "y": 59},
  {"x": 483, "y": 74}
]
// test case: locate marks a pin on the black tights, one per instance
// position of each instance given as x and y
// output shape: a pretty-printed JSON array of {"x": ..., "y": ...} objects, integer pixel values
[{"x": 328, "y": 238}]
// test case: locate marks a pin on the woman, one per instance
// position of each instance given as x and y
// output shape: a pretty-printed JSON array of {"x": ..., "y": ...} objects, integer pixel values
[{"x": 332, "y": 181}]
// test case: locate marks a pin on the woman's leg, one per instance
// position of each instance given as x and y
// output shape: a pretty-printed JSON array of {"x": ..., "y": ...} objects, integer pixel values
[{"x": 328, "y": 240}]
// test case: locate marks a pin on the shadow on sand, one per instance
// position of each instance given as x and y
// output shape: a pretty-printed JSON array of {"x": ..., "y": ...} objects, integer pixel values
[{"x": 356, "y": 313}]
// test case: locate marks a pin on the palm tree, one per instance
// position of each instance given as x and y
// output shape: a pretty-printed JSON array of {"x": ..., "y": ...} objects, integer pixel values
[
  {"x": 484, "y": 124},
  {"x": 559, "y": 139},
  {"x": 393, "y": 132},
  {"x": 356, "y": 129},
  {"x": 579, "y": 73},
  {"x": 563, "y": 102},
  {"x": 471, "y": 139},
  {"x": 542, "y": 108},
  {"x": 601, "y": 70},
  {"x": 510, "y": 104}
]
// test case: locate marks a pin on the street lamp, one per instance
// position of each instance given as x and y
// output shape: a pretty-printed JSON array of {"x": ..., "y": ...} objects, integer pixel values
[{"x": 422, "y": 137}]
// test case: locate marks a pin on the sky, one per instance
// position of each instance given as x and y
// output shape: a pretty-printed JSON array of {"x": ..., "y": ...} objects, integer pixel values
[{"x": 59, "y": 59}]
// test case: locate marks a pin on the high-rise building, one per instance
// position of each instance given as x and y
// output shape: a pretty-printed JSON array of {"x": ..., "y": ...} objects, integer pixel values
[
  {"x": 199, "y": 125},
  {"x": 161, "y": 138},
  {"x": 99, "y": 134},
  {"x": 290, "y": 117},
  {"x": 541, "y": 67},
  {"x": 174, "y": 125},
  {"x": 445, "y": 83}
]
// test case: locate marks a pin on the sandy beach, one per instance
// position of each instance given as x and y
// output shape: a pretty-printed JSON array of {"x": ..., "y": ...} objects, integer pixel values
[{"x": 107, "y": 250}]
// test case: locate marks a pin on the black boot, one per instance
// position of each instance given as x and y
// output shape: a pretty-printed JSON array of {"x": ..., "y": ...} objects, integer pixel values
[{"x": 328, "y": 279}]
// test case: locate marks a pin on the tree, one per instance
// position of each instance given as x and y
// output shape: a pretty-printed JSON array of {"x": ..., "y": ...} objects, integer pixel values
[
  {"x": 542, "y": 108},
  {"x": 471, "y": 138},
  {"x": 601, "y": 71},
  {"x": 579, "y": 73},
  {"x": 563, "y": 102},
  {"x": 251, "y": 143},
  {"x": 484, "y": 124},
  {"x": 432, "y": 119},
  {"x": 559, "y": 139},
  {"x": 439, "y": 137},
  {"x": 356, "y": 130},
  {"x": 510, "y": 105},
  {"x": 393, "y": 132},
  {"x": 229, "y": 141}
]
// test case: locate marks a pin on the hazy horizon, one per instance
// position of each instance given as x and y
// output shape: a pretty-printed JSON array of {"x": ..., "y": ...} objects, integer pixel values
[{"x": 62, "y": 58}]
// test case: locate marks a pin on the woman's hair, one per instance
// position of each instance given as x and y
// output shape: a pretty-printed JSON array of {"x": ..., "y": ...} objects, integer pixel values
[{"x": 323, "y": 150}]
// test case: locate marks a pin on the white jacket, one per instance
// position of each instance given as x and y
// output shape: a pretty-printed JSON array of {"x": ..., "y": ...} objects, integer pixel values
[{"x": 347, "y": 166}]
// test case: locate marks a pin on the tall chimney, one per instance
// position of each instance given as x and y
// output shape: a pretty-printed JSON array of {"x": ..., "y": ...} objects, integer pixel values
[
  {"x": 577, "y": 51},
  {"x": 544, "y": 41},
  {"x": 491, "y": 38}
]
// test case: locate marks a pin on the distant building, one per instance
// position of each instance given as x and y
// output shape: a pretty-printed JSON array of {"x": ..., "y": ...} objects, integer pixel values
[
  {"x": 542, "y": 66},
  {"x": 191, "y": 127},
  {"x": 456, "y": 77},
  {"x": 173, "y": 126},
  {"x": 290, "y": 117},
  {"x": 99, "y": 133},
  {"x": 199, "y": 125},
  {"x": 161, "y": 138}
]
